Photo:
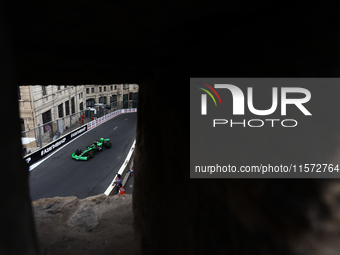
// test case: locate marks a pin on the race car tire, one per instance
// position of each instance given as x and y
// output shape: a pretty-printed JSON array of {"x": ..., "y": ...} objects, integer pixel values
[
  {"x": 91, "y": 154},
  {"x": 107, "y": 145}
]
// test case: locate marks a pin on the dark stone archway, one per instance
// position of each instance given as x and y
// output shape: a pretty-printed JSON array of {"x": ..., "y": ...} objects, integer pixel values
[{"x": 159, "y": 47}]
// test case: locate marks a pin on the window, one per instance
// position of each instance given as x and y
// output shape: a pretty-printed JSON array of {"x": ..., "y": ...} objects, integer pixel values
[
  {"x": 115, "y": 87},
  {"x": 92, "y": 90},
  {"x": 102, "y": 100},
  {"x": 46, "y": 116},
  {"x": 135, "y": 96},
  {"x": 113, "y": 98},
  {"x": 125, "y": 101},
  {"x": 111, "y": 87},
  {"x": 73, "y": 106},
  {"x": 43, "y": 90},
  {"x": 19, "y": 95},
  {"x": 87, "y": 91},
  {"x": 81, "y": 107},
  {"x": 90, "y": 102},
  {"x": 105, "y": 88},
  {"x": 58, "y": 87},
  {"x": 100, "y": 89},
  {"x": 67, "y": 107},
  {"x": 22, "y": 124},
  {"x": 60, "y": 111}
]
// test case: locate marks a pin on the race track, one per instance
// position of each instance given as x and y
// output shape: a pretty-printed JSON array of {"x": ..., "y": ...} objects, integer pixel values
[{"x": 60, "y": 175}]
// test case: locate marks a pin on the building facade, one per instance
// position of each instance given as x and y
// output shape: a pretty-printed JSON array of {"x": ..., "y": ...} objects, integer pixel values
[
  {"x": 112, "y": 94},
  {"x": 46, "y": 112},
  {"x": 39, "y": 105},
  {"x": 42, "y": 104}
]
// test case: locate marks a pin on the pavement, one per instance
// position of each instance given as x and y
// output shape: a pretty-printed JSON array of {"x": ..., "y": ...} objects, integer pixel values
[
  {"x": 60, "y": 175},
  {"x": 129, "y": 185}
]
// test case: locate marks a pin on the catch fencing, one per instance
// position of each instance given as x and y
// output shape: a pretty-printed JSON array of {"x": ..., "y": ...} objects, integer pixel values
[
  {"x": 58, "y": 143},
  {"x": 38, "y": 137}
]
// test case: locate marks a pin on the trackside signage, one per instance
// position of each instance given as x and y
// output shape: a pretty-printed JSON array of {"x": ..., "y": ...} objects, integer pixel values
[
  {"x": 107, "y": 117},
  {"x": 38, "y": 155},
  {"x": 264, "y": 127},
  {"x": 79, "y": 131},
  {"x": 52, "y": 147}
]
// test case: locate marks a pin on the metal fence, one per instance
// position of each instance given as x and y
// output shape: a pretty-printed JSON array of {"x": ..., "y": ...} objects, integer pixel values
[{"x": 38, "y": 137}]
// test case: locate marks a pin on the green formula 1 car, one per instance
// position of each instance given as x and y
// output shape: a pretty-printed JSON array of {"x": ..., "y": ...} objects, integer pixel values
[{"x": 91, "y": 150}]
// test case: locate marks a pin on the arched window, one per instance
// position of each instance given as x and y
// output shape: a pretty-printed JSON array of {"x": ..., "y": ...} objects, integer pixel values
[{"x": 90, "y": 102}]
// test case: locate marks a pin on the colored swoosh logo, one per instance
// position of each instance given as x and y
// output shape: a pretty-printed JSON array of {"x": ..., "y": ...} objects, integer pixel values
[
  {"x": 213, "y": 90},
  {"x": 209, "y": 95}
]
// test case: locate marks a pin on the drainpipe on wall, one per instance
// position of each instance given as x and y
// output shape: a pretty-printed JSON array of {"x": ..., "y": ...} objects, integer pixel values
[{"x": 32, "y": 101}]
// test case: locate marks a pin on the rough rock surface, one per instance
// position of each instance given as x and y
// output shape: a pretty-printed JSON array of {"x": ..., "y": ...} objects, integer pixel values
[{"x": 94, "y": 225}]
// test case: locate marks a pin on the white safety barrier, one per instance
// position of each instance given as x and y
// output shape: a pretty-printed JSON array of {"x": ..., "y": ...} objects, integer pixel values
[
  {"x": 124, "y": 171},
  {"x": 36, "y": 158},
  {"x": 99, "y": 121}
]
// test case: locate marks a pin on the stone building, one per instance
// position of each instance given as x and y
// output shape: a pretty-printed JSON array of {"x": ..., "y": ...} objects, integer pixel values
[
  {"x": 112, "y": 94},
  {"x": 41, "y": 104}
]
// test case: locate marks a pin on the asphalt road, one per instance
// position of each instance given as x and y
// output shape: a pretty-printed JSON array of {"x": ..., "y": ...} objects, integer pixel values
[{"x": 60, "y": 175}]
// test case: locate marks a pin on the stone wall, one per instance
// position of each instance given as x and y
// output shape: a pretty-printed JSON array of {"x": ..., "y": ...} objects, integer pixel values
[
  {"x": 178, "y": 215},
  {"x": 159, "y": 47},
  {"x": 94, "y": 225}
]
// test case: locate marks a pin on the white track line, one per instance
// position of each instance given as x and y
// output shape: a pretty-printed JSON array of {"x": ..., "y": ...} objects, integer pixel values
[
  {"x": 39, "y": 162},
  {"x": 115, "y": 128},
  {"x": 121, "y": 170}
]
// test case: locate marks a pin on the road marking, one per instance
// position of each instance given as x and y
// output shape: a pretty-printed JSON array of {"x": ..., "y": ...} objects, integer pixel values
[
  {"x": 121, "y": 170},
  {"x": 126, "y": 118},
  {"x": 31, "y": 167},
  {"x": 115, "y": 128}
]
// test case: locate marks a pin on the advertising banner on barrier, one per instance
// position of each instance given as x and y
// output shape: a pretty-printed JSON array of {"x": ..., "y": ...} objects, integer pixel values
[{"x": 38, "y": 155}]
